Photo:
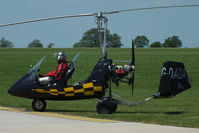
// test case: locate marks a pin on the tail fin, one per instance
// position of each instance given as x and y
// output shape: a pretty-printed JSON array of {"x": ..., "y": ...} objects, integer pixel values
[{"x": 174, "y": 79}]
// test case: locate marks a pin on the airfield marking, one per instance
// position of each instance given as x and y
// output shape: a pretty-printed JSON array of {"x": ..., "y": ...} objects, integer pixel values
[{"x": 59, "y": 115}]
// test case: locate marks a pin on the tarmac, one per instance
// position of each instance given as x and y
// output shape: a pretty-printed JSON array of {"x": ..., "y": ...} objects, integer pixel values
[{"x": 20, "y": 121}]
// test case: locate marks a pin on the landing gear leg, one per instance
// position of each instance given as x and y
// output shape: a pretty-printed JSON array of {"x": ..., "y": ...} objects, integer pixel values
[
  {"x": 107, "y": 105},
  {"x": 39, "y": 105}
]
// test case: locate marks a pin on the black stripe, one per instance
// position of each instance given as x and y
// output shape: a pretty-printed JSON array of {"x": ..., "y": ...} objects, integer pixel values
[
  {"x": 69, "y": 92},
  {"x": 88, "y": 89},
  {"x": 62, "y": 67}
]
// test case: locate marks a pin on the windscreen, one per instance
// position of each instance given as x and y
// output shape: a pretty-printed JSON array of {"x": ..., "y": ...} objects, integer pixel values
[{"x": 37, "y": 66}]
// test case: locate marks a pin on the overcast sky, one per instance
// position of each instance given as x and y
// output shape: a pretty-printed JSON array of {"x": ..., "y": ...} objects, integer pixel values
[{"x": 157, "y": 25}]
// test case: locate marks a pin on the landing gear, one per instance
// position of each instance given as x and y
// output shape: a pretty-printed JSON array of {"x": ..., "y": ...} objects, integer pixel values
[
  {"x": 39, "y": 105},
  {"x": 108, "y": 106}
]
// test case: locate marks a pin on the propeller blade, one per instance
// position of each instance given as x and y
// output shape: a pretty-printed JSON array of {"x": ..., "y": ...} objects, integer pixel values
[
  {"x": 150, "y": 8},
  {"x": 49, "y": 18},
  {"x": 133, "y": 63}
]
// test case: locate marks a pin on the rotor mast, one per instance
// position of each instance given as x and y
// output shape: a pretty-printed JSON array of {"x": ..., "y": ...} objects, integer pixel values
[{"x": 102, "y": 29}]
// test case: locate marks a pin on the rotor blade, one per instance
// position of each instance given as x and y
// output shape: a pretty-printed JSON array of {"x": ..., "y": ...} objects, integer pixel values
[
  {"x": 94, "y": 14},
  {"x": 151, "y": 8},
  {"x": 133, "y": 54},
  {"x": 45, "y": 19}
]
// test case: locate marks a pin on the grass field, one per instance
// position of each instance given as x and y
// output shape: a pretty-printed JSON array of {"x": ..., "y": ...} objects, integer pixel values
[{"x": 181, "y": 110}]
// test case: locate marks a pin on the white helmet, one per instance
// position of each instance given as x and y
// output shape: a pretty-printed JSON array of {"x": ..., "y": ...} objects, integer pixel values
[{"x": 60, "y": 56}]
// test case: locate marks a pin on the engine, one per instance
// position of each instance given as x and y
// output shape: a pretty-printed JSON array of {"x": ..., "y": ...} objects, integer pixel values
[{"x": 122, "y": 73}]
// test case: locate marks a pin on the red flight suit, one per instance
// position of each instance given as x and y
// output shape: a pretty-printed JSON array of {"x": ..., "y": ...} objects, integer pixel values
[{"x": 60, "y": 71}]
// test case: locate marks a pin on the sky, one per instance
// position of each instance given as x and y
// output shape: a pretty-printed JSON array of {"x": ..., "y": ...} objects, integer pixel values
[{"x": 156, "y": 25}]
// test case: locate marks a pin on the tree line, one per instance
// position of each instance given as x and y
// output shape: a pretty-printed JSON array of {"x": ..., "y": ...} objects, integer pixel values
[
  {"x": 170, "y": 42},
  {"x": 90, "y": 39},
  {"x": 36, "y": 43}
]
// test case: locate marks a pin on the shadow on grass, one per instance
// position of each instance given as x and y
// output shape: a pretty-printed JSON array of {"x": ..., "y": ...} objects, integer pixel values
[
  {"x": 153, "y": 112},
  {"x": 120, "y": 112},
  {"x": 174, "y": 113}
]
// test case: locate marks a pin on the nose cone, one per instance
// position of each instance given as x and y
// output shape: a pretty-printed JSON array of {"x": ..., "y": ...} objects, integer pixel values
[
  {"x": 11, "y": 90},
  {"x": 16, "y": 88},
  {"x": 22, "y": 87}
]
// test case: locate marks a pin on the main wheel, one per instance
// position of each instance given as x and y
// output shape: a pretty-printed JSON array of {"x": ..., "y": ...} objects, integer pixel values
[
  {"x": 38, "y": 105},
  {"x": 106, "y": 107},
  {"x": 101, "y": 109},
  {"x": 113, "y": 108}
]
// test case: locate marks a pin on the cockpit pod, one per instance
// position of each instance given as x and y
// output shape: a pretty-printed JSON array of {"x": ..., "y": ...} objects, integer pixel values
[
  {"x": 174, "y": 80},
  {"x": 22, "y": 87}
]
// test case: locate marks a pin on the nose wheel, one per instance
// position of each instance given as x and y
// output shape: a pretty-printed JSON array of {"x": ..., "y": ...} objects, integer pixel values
[{"x": 38, "y": 105}]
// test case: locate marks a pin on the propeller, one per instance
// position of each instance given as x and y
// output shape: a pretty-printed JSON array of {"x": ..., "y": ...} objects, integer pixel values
[
  {"x": 99, "y": 14},
  {"x": 133, "y": 65}
]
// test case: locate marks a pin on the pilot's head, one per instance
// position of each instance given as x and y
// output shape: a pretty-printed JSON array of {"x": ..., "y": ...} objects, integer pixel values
[{"x": 60, "y": 56}]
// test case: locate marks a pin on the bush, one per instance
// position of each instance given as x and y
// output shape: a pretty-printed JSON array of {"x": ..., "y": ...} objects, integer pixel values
[{"x": 155, "y": 45}]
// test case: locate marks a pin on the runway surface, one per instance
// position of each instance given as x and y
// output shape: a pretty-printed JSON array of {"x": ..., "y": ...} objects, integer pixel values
[{"x": 19, "y": 121}]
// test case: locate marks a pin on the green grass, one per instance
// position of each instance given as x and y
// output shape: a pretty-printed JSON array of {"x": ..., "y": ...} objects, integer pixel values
[{"x": 181, "y": 110}]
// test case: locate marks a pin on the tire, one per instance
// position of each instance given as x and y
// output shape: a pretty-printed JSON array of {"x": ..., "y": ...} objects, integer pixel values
[
  {"x": 101, "y": 108},
  {"x": 106, "y": 107},
  {"x": 39, "y": 105},
  {"x": 113, "y": 108}
]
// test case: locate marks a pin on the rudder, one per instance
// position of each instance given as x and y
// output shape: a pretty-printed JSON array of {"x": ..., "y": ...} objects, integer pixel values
[{"x": 174, "y": 79}]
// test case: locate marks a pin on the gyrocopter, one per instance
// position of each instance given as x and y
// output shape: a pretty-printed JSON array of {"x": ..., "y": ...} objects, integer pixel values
[{"x": 174, "y": 78}]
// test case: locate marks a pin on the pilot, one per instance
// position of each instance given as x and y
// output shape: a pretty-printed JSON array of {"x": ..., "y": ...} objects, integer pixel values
[{"x": 57, "y": 74}]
